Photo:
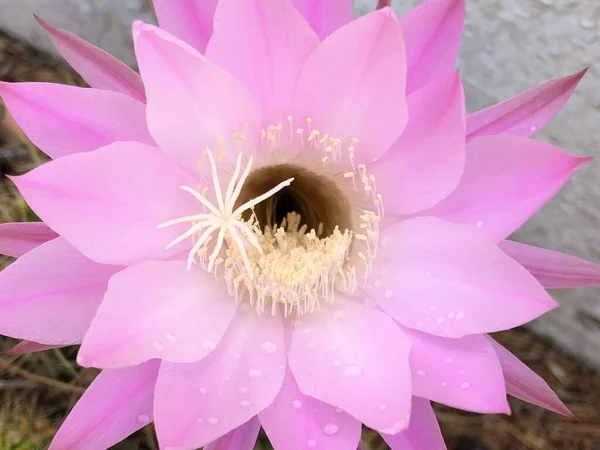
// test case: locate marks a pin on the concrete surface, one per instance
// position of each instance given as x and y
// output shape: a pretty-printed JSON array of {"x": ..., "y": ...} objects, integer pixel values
[{"x": 509, "y": 46}]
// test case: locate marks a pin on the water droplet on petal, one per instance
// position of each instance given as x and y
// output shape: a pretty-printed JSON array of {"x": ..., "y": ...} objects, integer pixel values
[
  {"x": 202, "y": 390},
  {"x": 444, "y": 384},
  {"x": 377, "y": 284},
  {"x": 213, "y": 420},
  {"x": 208, "y": 345},
  {"x": 268, "y": 347},
  {"x": 339, "y": 315},
  {"x": 243, "y": 390},
  {"x": 460, "y": 315},
  {"x": 330, "y": 429},
  {"x": 382, "y": 407},
  {"x": 440, "y": 320},
  {"x": 465, "y": 385},
  {"x": 337, "y": 362},
  {"x": 245, "y": 403},
  {"x": 339, "y": 410},
  {"x": 432, "y": 308},
  {"x": 143, "y": 418},
  {"x": 311, "y": 444},
  {"x": 448, "y": 360},
  {"x": 479, "y": 224},
  {"x": 352, "y": 371},
  {"x": 255, "y": 373},
  {"x": 170, "y": 337},
  {"x": 297, "y": 404},
  {"x": 158, "y": 346},
  {"x": 451, "y": 315},
  {"x": 461, "y": 372},
  {"x": 421, "y": 372},
  {"x": 389, "y": 293},
  {"x": 533, "y": 128}
]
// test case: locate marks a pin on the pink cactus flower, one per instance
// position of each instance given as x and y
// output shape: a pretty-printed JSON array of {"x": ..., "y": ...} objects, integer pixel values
[{"x": 286, "y": 221}]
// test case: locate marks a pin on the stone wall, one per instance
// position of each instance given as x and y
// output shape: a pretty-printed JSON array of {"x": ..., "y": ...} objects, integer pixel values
[{"x": 509, "y": 46}]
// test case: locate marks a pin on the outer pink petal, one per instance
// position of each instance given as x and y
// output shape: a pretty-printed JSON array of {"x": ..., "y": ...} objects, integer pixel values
[
  {"x": 18, "y": 238},
  {"x": 506, "y": 180},
  {"x": 464, "y": 373},
  {"x": 325, "y": 16},
  {"x": 552, "y": 269},
  {"x": 200, "y": 402},
  {"x": 158, "y": 310},
  {"x": 24, "y": 347},
  {"x": 189, "y": 20},
  {"x": 242, "y": 438},
  {"x": 315, "y": 424},
  {"x": 432, "y": 32},
  {"x": 523, "y": 383},
  {"x": 265, "y": 46},
  {"x": 526, "y": 113},
  {"x": 426, "y": 163},
  {"x": 63, "y": 119},
  {"x": 354, "y": 358},
  {"x": 451, "y": 280},
  {"x": 108, "y": 202},
  {"x": 118, "y": 403},
  {"x": 51, "y": 294},
  {"x": 423, "y": 432},
  {"x": 100, "y": 69},
  {"x": 192, "y": 103},
  {"x": 352, "y": 85}
]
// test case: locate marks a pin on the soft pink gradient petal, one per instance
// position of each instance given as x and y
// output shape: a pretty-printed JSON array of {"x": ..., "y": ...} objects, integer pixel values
[
  {"x": 432, "y": 32},
  {"x": 24, "y": 347},
  {"x": 523, "y": 383},
  {"x": 62, "y": 119},
  {"x": 554, "y": 270},
  {"x": 325, "y": 16},
  {"x": 189, "y": 20},
  {"x": 200, "y": 402},
  {"x": 451, "y": 280},
  {"x": 242, "y": 438},
  {"x": 463, "y": 373},
  {"x": 100, "y": 69},
  {"x": 423, "y": 432},
  {"x": 17, "y": 238},
  {"x": 108, "y": 202},
  {"x": 158, "y": 310},
  {"x": 265, "y": 46},
  {"x": 433, "y": 143},
  {"x": 117, "y": 404},
  {"x": 526, "y": 113},
  {"x": 192, "y": 103},
  {"x": 51, "y": 294},
  {"x": 315, "y": 424},
  {"x": 507, "y": 179},
  {"x": 352, "y": 85},
  {"x": 354, "y": 358}
]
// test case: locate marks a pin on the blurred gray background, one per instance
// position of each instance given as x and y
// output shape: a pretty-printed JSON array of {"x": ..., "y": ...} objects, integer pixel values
[{"x": 508, "y": 46}]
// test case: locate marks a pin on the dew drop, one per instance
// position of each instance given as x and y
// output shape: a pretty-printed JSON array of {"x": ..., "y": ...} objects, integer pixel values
[
  {"x": 308, "y": 330},
  {"x": 440, "y": 320},
  {"x": 330, "y": 429},
  {"x": 339, "y": 410},
  {"x": 460, "y": 315},
  {"x": 208, "y": 345},
  {"x": 382, "y": 407},
  {"x": 421, "y": 372},
  {"x": 533, "y": 128},
  {"x": 213, "y": 420},
  {"x": 170, "y": 337},
  {"x": 297, "y": 404},
  {"x": 479, "y": 224},
  {"x": 444, "y": 384},
  {"x": 339, "y": 315},
  {"x": 337, "y": 362},
  {"x": 268, "y": 347},
  {"x": 389, "y": 293},
  {"x": 158, "y": 346},
  {"x": 451, "y": 315},
  {"x": 461, "y": 372},
  {"x": 243, "y": 390},
  {"x": 433, "y": 308},
  {"x": 245, "y": 403},
  {"x": 352, "y": 371},
  {"x": 377, "y": 284},
  {"x": 202, "y": 390},
  {"x": 465, "y": 385},
  {"x": 448, "y": 360},
  {"x": 311, "y": 444},
  {"x": 227, "y": 378},
  {"x": 255, "y": 373},
  {"x": 143, "y": 418}
]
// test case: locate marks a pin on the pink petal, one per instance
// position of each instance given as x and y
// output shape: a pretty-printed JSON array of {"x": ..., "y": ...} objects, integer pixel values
[
  {"x": 423, "y": 432},
  {"x": 432, "y": 32},
  {"x": 553, "y": 270},
  {"x": 433, "y": 143},
  {"x": 325, "y": 16},
  {"x": 158, "y": 310},
  {"x": 265, "y": 46},
  {"x": 523, "y": 383},
  {"x": 315, "y": 424},
  {"x": 242, "y": 438},
  {"x": 507, "y": 179},
  {"x": 24, "y": 347},
  {"x": 51, "y": 294},
  {"x": 203, "y": 105},
  {"x": 189, "y": 20},
  {"x": 100, "y": 69},
  {"x": 526, "y": 113},
  {"x": 200, "y": 402},
  {"x": 62, "y": 119},
  {"x": 117, "y": 404},
  {"x": 463, "y": 373},
  {"x": 451, "y": 280},
  {"x": 18, "y": 238},
  {"x": 354, "y": 358},
  {"x": 352, "y": 85},
  {"x": 108, "y": 202}
]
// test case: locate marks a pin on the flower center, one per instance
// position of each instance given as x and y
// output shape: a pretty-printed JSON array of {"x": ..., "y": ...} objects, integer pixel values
[{"x": 286, "y": 236}]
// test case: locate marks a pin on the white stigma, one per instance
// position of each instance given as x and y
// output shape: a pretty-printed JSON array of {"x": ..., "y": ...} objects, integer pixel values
[{"x": 222, "y": 219}]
